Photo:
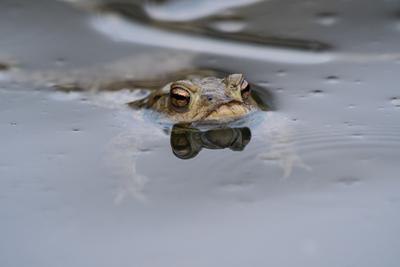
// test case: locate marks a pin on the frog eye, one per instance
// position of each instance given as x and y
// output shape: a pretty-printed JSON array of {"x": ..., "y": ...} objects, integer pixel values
[
  {"x": 179, "y": 98},
  {"x": 245, "y": 89}
]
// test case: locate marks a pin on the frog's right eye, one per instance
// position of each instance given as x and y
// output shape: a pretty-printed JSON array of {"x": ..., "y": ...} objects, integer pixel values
[
  {"x": 179, "y": 98},
  {"x": 245, "y": 89}
]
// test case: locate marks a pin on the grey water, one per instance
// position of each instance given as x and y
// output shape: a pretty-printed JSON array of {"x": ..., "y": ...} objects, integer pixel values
[{"x": 312, "y": 181}]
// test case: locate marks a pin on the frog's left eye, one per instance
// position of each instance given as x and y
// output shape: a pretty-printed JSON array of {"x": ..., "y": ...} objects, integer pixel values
[{"x": 245, "y": 89}]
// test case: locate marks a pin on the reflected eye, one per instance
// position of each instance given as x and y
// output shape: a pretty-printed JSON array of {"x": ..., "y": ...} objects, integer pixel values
[
  {"x": 179, "y": 98},
  {"x": 245, "y": 89}
]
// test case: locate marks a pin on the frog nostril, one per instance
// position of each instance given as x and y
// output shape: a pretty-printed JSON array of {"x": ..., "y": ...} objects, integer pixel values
[{"x": 209, "y": 98}]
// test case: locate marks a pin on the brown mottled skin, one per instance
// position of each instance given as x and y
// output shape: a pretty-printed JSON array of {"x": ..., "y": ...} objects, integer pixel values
[{"x": 207, "y": 99}]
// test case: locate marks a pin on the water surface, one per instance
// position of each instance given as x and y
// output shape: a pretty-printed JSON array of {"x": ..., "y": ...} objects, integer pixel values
[{"x": 86, "y": 181}]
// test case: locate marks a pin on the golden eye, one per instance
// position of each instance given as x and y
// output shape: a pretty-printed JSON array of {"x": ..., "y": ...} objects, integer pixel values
[
  {"x": 179, "y": 98},
  {"x": 245, "y": 89}
]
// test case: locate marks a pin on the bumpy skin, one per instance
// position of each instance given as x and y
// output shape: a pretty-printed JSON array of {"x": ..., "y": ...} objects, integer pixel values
[{"x": 209, "y": 100}]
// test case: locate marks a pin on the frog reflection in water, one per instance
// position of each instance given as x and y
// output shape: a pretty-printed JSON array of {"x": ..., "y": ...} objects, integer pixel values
[{"x": 186, "y": 142}]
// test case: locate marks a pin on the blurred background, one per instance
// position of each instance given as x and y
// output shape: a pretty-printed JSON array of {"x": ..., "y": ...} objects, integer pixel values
[{"x": 84, "y": 181}]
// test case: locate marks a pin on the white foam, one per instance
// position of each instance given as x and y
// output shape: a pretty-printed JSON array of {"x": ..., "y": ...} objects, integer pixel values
[{"x": 184, "y": 10}]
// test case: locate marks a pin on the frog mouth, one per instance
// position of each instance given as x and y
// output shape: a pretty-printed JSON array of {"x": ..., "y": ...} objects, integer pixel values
[{"x": 232, "y": 109}]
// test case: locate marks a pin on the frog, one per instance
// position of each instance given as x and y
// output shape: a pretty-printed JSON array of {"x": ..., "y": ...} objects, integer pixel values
[{"x": 202, "y": 100}]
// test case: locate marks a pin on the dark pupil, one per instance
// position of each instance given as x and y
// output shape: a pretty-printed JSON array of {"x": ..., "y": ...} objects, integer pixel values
[
  {"x": 179, "y": 97},
  {"x": 246, "y": 90},
  {"x": 180, "y": 100}
]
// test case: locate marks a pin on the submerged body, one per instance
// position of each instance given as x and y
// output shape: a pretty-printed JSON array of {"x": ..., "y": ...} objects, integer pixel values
[{"x": 205, "y": 100}]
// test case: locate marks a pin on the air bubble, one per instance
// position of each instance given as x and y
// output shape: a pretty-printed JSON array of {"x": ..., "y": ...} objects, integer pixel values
[
  {"x": 231, "y": 26},
  {"x": 395, "y": 101},
  {"x": 332, "y": 79},
  {"x": 348, "y": 180},
  {"x": 281, "y": 73},
  {"x": 326, "y": 19},
  {"x": 60, "y": 62},
  {"x": 317, "y": 92},
  {"x": 357, "y": 135}
]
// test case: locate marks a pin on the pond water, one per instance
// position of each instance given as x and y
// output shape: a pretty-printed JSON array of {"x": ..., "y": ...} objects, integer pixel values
[{"x": 86, "y": 181}]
